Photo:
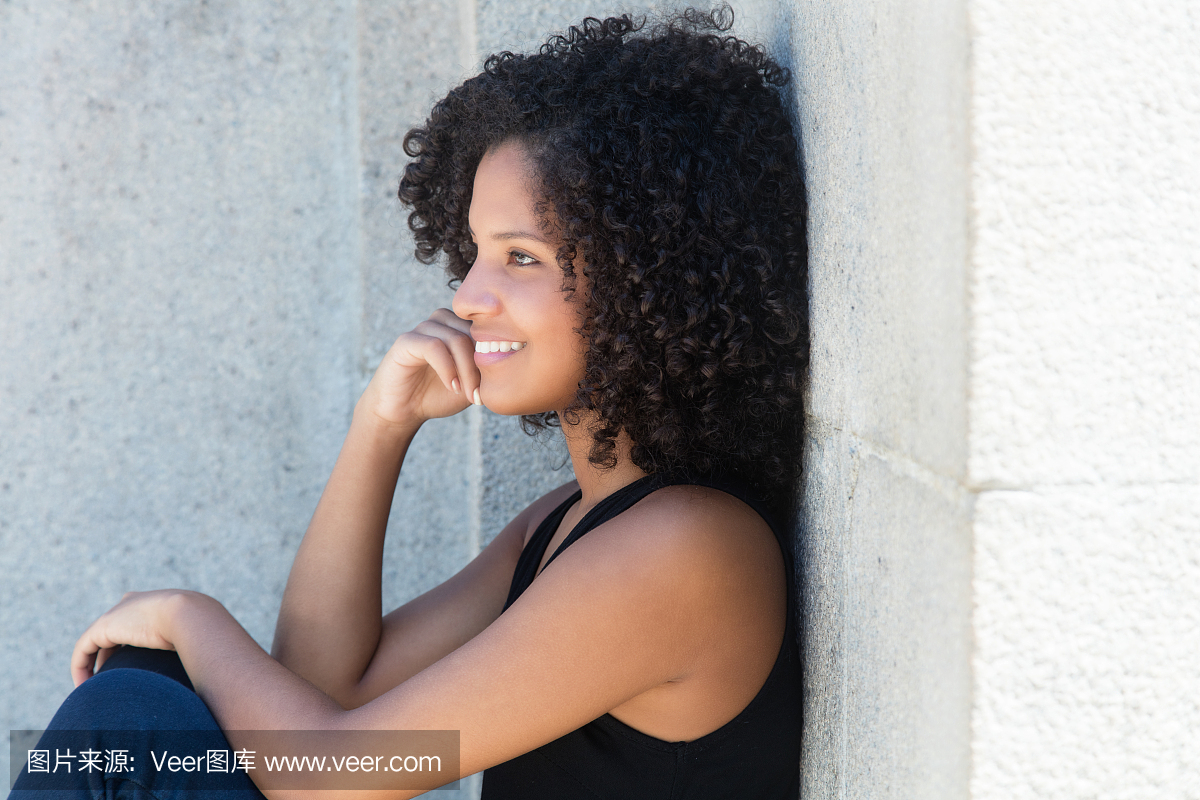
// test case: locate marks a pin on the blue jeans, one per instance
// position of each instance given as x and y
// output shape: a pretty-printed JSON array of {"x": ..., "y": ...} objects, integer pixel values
[{"x": 133, "y": 693}]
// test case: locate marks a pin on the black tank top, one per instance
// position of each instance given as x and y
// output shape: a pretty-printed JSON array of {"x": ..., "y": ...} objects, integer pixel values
[{"x": 754, "y": 755}]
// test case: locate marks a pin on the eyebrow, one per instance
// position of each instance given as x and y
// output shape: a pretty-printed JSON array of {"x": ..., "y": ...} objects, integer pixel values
[{"x": 514, "y": 235}]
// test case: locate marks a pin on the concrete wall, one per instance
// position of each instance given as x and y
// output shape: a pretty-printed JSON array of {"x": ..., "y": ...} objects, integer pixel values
[
  {"x": 885, "y": 523},
  {"x": 180, "y": 299},
  {"x": 1085, "y": 399},
  {"x": 201, "y": 262}
]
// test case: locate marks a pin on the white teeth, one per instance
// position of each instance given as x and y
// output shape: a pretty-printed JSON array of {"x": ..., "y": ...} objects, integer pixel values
[{"x": 497, "y": 347}]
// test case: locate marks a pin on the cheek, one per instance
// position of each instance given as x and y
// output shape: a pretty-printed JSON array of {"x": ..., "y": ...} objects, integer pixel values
[{"x": 572, "y": 346}]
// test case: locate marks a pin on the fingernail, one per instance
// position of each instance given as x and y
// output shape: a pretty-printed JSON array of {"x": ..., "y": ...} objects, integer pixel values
[
  {"x": 478, "y": 402},
  {"x": 454, "y": 384}
]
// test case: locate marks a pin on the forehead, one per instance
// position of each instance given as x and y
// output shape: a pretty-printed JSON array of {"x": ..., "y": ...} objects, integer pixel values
[{"x": 503, "y": 189}]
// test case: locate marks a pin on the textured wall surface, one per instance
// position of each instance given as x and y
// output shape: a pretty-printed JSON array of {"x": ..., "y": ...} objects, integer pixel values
[
  {"x": 885, "y": 532},
  {"x": 1085, "y": 399},
  {"x": 201, "y": 262},
  {"x": 428, "y": 538},
  {"x": 179, "y": 306}
]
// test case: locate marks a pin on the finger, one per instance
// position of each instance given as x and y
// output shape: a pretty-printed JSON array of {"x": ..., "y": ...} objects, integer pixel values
[
  {"x": 433, "y": 351},
  {"x": 83, "y": 657},
  {"x": 451, "y": 320},
  {"x": 81, "y": 672},
  {"x": 446, "y": 332},
  {"x": 462, "y": 348},
  {"x": 83, "y": 660},
  {"x": 103, "y": 655}
]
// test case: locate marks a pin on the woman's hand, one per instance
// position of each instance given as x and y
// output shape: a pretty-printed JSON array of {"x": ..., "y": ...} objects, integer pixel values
[
  {"x": 429, "y": 372},
  {"x": 141, "y": 619}
]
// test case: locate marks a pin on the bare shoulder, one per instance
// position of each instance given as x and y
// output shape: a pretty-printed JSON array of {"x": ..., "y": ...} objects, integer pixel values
[
  {"x": 703, "y": 525},
  {"x": 704, "y": 545}
]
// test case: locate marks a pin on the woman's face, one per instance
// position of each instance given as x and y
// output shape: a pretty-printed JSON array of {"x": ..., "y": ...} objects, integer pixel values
[{"x": 513, "y": 295}]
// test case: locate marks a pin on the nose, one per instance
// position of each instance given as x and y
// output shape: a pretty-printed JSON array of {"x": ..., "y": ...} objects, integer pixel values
[{"x": 475, "y": 296}]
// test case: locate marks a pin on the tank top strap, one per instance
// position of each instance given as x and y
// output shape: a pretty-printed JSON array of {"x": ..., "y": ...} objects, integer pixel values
[{"x": 535, "y": 548}]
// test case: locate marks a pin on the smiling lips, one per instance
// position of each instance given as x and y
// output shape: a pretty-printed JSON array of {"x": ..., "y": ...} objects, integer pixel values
[{"x": 497, "y": 347}]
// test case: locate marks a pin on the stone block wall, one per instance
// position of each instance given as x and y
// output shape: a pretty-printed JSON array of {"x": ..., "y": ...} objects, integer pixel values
[
  {"x": 1084, "y": 445},
  {"x": 202, "y": 260}
]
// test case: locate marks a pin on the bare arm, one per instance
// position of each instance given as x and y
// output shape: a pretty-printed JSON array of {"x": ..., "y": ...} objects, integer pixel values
[
  {"x": 635, "y": 604},
  {"x": 448, "y": 616},
  {"x": 329, "y": 625},
  {"x": 330, "y": 631},
  {"x": 329, "y": 620}
]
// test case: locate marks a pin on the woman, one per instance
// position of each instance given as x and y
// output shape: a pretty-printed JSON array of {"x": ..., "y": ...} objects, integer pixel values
[{"x": 623, "y": 215}]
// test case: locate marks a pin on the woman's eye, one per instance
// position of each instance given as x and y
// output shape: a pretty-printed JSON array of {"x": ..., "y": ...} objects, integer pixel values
[{"x": 521, "y": 259}]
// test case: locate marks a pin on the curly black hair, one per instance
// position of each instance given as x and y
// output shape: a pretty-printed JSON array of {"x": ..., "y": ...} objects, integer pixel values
[{"x": 665, "y": 157}]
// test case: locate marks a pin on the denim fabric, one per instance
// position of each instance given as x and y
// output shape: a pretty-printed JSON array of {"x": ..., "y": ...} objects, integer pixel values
[
  {"x": 164, "y": 662},
  {"x": 145, "y": 699}
]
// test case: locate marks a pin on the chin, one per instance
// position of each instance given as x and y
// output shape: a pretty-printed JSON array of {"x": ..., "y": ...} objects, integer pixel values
[
  {"x": 513, "y": 396},
  {"x": 512, "y": 409},
  {"x": 515, "y": 404}
]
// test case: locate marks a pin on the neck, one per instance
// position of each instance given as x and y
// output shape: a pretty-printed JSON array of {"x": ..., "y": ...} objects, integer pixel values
[{"x": 596, "y": 483}]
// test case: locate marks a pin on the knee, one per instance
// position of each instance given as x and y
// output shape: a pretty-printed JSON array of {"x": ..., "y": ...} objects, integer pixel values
[{"x": 132, "y": 699}]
